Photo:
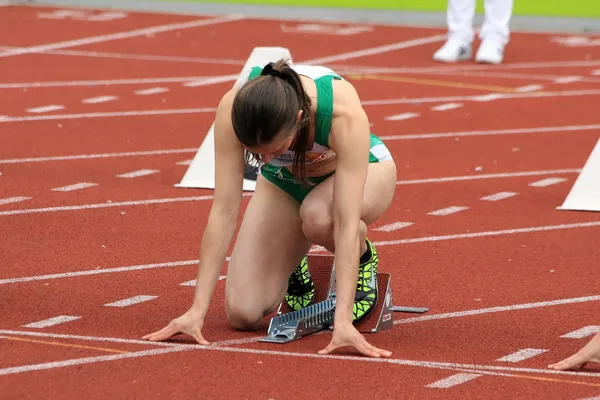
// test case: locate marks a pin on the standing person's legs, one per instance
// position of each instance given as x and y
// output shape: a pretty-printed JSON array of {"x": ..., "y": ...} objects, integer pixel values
[
  {"x": 495, "y": 32},
  {"x": 459, "y": 17}
]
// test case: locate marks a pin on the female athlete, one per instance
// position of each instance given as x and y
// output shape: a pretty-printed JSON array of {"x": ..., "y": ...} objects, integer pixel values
[{"x": 324, "y": 177}]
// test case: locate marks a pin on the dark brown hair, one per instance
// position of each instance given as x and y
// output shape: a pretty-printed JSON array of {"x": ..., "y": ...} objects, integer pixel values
[{"x": 267, "y": 106}]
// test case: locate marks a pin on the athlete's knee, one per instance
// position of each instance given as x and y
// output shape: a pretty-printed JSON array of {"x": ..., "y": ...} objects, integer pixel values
[
  {"x": 242, "y": 315},
  {"x": 317, "y": 221}
]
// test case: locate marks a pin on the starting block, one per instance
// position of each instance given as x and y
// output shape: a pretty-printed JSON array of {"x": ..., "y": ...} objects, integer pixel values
[{"x": 290, "y": 325}]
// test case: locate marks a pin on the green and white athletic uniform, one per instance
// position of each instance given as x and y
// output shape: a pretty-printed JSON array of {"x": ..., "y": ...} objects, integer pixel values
[
  {"x": 300, "y": 285},
  {"x": 276, "y": 171}
]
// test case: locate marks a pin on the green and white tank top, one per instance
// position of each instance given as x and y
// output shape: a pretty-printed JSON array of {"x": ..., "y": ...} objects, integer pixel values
[{"x": 323, "y": 77}]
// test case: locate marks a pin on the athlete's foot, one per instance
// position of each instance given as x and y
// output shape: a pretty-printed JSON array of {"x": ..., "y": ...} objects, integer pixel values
[
  {"x": 366, "y": 287},
  {"x": 301, "y": 288}
]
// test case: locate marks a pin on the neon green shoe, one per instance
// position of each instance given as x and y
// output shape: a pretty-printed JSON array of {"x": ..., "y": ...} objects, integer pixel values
[
  {"x": 301, "y": 288},
  {"x": 366, "y": 287}
]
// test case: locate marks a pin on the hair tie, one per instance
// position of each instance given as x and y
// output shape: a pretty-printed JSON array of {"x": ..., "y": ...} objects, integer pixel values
[{"x": 268, "y": 70}]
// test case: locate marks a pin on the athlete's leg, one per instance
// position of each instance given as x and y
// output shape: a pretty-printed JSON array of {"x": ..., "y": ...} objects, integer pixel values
[
  {"x": 270, "y": 245},
  {"x": 317, "y": 223},
  {"x": 316, "y": 211}
]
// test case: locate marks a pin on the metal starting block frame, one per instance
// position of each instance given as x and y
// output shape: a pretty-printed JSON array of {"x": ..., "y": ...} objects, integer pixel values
[{"x": 289, "y": 325}]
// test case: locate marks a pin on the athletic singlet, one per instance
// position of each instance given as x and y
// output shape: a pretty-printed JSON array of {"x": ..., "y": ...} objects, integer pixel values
[{"x": 322, "y": 76}]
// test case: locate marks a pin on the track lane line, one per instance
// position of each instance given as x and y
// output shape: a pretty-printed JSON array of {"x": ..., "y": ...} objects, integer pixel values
[
  {"x": 210, "y": 197},
  {"x": 470, "y": 235},
  {"x": 491, "y": 369},
  {"x": 120, "y": 35}
]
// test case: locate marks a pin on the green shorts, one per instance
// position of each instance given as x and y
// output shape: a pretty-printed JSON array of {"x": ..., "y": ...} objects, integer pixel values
[{"x": 285, "y": 180}]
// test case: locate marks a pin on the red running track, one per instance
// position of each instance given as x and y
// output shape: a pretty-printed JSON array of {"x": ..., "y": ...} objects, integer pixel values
[{"x": 71, "y": 253}]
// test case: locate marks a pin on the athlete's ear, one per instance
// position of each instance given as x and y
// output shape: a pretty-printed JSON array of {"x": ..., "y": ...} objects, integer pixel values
[{"x": 299, "y": 116}]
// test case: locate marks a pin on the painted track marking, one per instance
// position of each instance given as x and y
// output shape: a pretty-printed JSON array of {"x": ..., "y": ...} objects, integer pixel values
[
  {"x": 453, "y": 380},
  {"x": 130, "y": 301},
  {"x": 100, "y": 99},
  {"x": 100, "y": 155},
  {"x": 61, "y": 319},
  {"x": 582, "y": 333},
  {"x": 499, "y": 196},
  {"x": 76, "y": 186},
  {"x": 521, "y": 355},
  {"x": 138, "y": 173},
  {"x": 547, "y": 182},
  {"x": 120, "y": 35},
  {"x": 401, "y": 117},
  {"x": 171, "y": 347},
  {"x": 448, "y": 210},
  {"x": 43, "y": 109},
  {"x": 11, "y": 200}
]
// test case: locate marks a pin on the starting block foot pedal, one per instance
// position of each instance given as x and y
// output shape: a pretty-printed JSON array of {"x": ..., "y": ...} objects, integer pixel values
[
  {"x": 291, "y": 326},
  {"x": 416, "y": 310}
]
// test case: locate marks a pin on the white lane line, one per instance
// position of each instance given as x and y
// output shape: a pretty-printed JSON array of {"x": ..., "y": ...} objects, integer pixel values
[
  {"x": 542, "y": 77},
  {"x": 101, "y": 155},
  {"x": 489, "y": 97},
  {"x": 448, "y": 210},
  {"x": 102, "y": 82},
  {"x": 16, "y": 199},
  {"x": 401, "y": 117},
  {"x": 42, "y": 109},
  {"x": 210, "y": 80},
  {"x": 110, "y": 114},
  {"x": 99, "y": 271},
  {"x": 385, "y": 243},
  {"x": 521, "y": 355},
  {"x": 453, "y": 380},
  {"x": 471, "y": 235},
  {"x": 219, "y": 346},
  {"x": 567, "y": 128},
  {"x": 529, "y": 88},
  {"x": 111, "y": 204},
  {"x": 393, "y": 226},
  {"x": 362, "y": 69},
  {"x": 185, "y": 162},
  {"x": 596, "y": 72},
  {"x": 90, "y": 360},
  {"x": 61, "y": 319},
  {"x": 155, "y": 90},
  {"x": 459, "y": 314},
  {"x": 99, "y": 99},
  {"x": 447, "y": 106},
  {"x": 483, "y": 98},
  {"x": 488, "y": 176},
  {"x": 499, "y": 196},
  {"x": 120, "y": 35},
  {"x": 76, "y": 186},
  {"x": 143, "y": 57},
  {"x": 547, "y": 182},
  {"x": 376, "y": 50},
  {"x": 568, "y": 79},
  {"x": 582, "y": 333},
  {"x": 131, "y": 301},
  {"x": 138, "y": 173},
  {"x": 193, "y": 281}
]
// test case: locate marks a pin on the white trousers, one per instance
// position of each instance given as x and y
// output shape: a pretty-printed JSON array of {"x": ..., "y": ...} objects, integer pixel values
[{"x": 460, "y": 14}]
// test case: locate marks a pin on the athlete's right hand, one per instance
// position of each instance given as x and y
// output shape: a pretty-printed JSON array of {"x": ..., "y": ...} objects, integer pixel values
[{"x": 190, "y": 323}]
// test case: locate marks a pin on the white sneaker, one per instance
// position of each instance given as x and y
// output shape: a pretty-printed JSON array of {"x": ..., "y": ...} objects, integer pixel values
[
  {"x": 453, "y": 51},
  {"x": 490, "y": 52}
]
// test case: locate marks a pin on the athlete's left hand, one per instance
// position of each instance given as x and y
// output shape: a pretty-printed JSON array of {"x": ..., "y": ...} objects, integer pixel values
[{"x": 347, "y": 335}]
